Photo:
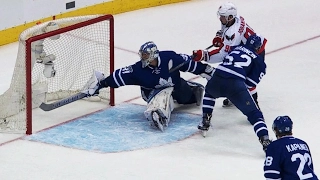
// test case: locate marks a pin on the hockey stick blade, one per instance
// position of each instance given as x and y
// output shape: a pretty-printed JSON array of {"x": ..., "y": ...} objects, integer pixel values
[{"x": 62, "y": 102}]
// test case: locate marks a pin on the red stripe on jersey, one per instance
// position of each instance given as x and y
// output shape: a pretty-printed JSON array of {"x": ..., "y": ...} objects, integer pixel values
[
  {"x": 263, "y": 46},
  {"x": 252, "y": 88}
]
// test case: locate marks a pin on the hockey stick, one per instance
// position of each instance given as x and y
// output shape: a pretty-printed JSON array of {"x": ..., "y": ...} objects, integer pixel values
[
  {"x": 180, "y": 65},
  {"x": 62, "y": 102}
]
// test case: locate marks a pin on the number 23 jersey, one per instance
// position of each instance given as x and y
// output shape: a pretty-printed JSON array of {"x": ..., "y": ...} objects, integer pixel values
[{"x": 289, "y": 158}]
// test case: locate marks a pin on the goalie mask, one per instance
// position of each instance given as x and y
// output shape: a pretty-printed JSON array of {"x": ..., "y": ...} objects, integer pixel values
[
  {"x": 225, "y": 11},
  {"x": 148, "y": 52}
]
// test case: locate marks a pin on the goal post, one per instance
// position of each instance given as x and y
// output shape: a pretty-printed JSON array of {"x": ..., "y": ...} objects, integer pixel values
[{"x": 55, "y": 60}]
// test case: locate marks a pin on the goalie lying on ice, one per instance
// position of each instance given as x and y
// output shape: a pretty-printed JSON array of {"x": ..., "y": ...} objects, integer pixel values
[{"x": 159, "y": 86}]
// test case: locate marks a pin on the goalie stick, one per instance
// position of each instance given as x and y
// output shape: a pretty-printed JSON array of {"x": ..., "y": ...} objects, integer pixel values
[
  {"x": 62, "y": 102},
  {"x": 90, "y": 85},
  {"x": 180, "y": 65}
]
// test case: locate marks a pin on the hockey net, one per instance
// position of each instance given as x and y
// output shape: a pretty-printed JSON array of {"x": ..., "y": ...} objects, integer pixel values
[{"x": 55, "y": 60}]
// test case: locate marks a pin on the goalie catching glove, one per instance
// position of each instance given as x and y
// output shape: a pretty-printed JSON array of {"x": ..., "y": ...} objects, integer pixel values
[
  {"x": 208, "y": 72},
  {"x": 95, "y": 83}
]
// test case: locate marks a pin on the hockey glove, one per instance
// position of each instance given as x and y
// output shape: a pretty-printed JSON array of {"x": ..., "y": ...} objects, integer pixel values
[
  {"x": 208, "y": 72},
  {"x": 217, "y": 41},
  {"x": 200, "y": 55},
  {"x": 97, "y": 82}
]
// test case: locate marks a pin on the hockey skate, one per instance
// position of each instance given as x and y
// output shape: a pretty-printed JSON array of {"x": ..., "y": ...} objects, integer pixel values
[
  {"x": 227, "y": 103},
  {"x": 159, "y": 120},
  {"x": 265, "y": 141},
  {"x": 204, "y": 125}
]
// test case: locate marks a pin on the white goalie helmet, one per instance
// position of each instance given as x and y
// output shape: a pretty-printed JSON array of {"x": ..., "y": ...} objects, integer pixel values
[
  {"x": 148, "y": 52},
  {"x": 227, "y": 9}
]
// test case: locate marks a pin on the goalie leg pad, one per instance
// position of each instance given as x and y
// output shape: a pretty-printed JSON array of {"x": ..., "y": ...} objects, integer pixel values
[{"x": 162, "y": 104}]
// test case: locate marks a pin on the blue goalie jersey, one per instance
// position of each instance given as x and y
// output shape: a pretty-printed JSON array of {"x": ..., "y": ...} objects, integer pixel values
[
  {"x": 156, "y": 77},
  {"x": 289, "y": 158}
]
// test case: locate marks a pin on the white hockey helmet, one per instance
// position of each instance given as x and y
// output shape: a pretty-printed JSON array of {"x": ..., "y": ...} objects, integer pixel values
[{"x": 227, "y": 9}]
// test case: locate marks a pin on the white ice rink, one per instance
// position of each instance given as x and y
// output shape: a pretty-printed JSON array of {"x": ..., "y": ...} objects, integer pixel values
[{"x": 231, "y": 150}]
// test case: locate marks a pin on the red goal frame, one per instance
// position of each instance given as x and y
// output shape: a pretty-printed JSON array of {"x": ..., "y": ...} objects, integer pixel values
[{"x": 28, "y": 60}]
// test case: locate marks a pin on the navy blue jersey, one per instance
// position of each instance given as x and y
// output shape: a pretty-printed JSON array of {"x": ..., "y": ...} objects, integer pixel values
[
  {"x": 289, "y": 158},
  {"x": 242, "y": 63},
  {"x": 156, "y": 77},
  {"x": 258, "y": 70}
]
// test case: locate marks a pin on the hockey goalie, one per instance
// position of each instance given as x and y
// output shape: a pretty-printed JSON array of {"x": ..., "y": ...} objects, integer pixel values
[{"x": 160, "y": 85}]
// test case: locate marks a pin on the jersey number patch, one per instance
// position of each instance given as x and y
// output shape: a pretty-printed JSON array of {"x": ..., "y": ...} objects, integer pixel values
[
  {"x": 303, "y": 158},
  {"x": 246, "y": 60}
]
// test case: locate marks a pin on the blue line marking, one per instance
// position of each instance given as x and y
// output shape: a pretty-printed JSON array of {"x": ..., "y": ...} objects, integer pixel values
[{"x": 116, "y": 129}]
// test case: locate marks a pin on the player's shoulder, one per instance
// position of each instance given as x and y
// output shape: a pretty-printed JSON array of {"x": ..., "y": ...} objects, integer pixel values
[
  {"x": 300, "y": 141},
  {"x": 243, "y": 49},
  {"x": 275, "y": 147},
  {"x": 241, "y": 19},
  {"x": 135, "y": 66},
  {"x": 238, "y": 27},
  {"x": 287, "y": 140},
  {"x": 167, "y": 53}
]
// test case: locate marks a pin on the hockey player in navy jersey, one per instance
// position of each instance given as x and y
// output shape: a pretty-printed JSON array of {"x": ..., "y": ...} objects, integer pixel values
[
  {"x": 158, "y": 75},
  {"x": 241, "y": 64},
  {"x": 234, "y": 31},
  {"x": 288, "y": 158}
]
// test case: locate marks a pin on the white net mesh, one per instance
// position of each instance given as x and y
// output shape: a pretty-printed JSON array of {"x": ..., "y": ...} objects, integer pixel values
[{"x": 77, "y": 53}]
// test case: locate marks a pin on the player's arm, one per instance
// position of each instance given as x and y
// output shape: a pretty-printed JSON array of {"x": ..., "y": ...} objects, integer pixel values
[
  {"x": 217, "y": 44},
  {"x": 272, "y": 162},
  {"x": 197, "y": 68},
  {"x": 216, "y": 54},
  {"x": 120, "y": 77},
  {"x": 230, "y": 39}
]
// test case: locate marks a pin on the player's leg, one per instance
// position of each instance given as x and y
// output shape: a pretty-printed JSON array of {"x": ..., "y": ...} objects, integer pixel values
[
  {"x": 188, "y": 92},
  {"x": 254, "y": 94},
  {"x": 198, "y": 90},
  {"x": 213, "y": 90},
  {"x": 159, "y": 107},
  {"x": 145, "y": 93},
  {"x": 208, "y": 103},
  {"x": 242, "y": 99}
]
